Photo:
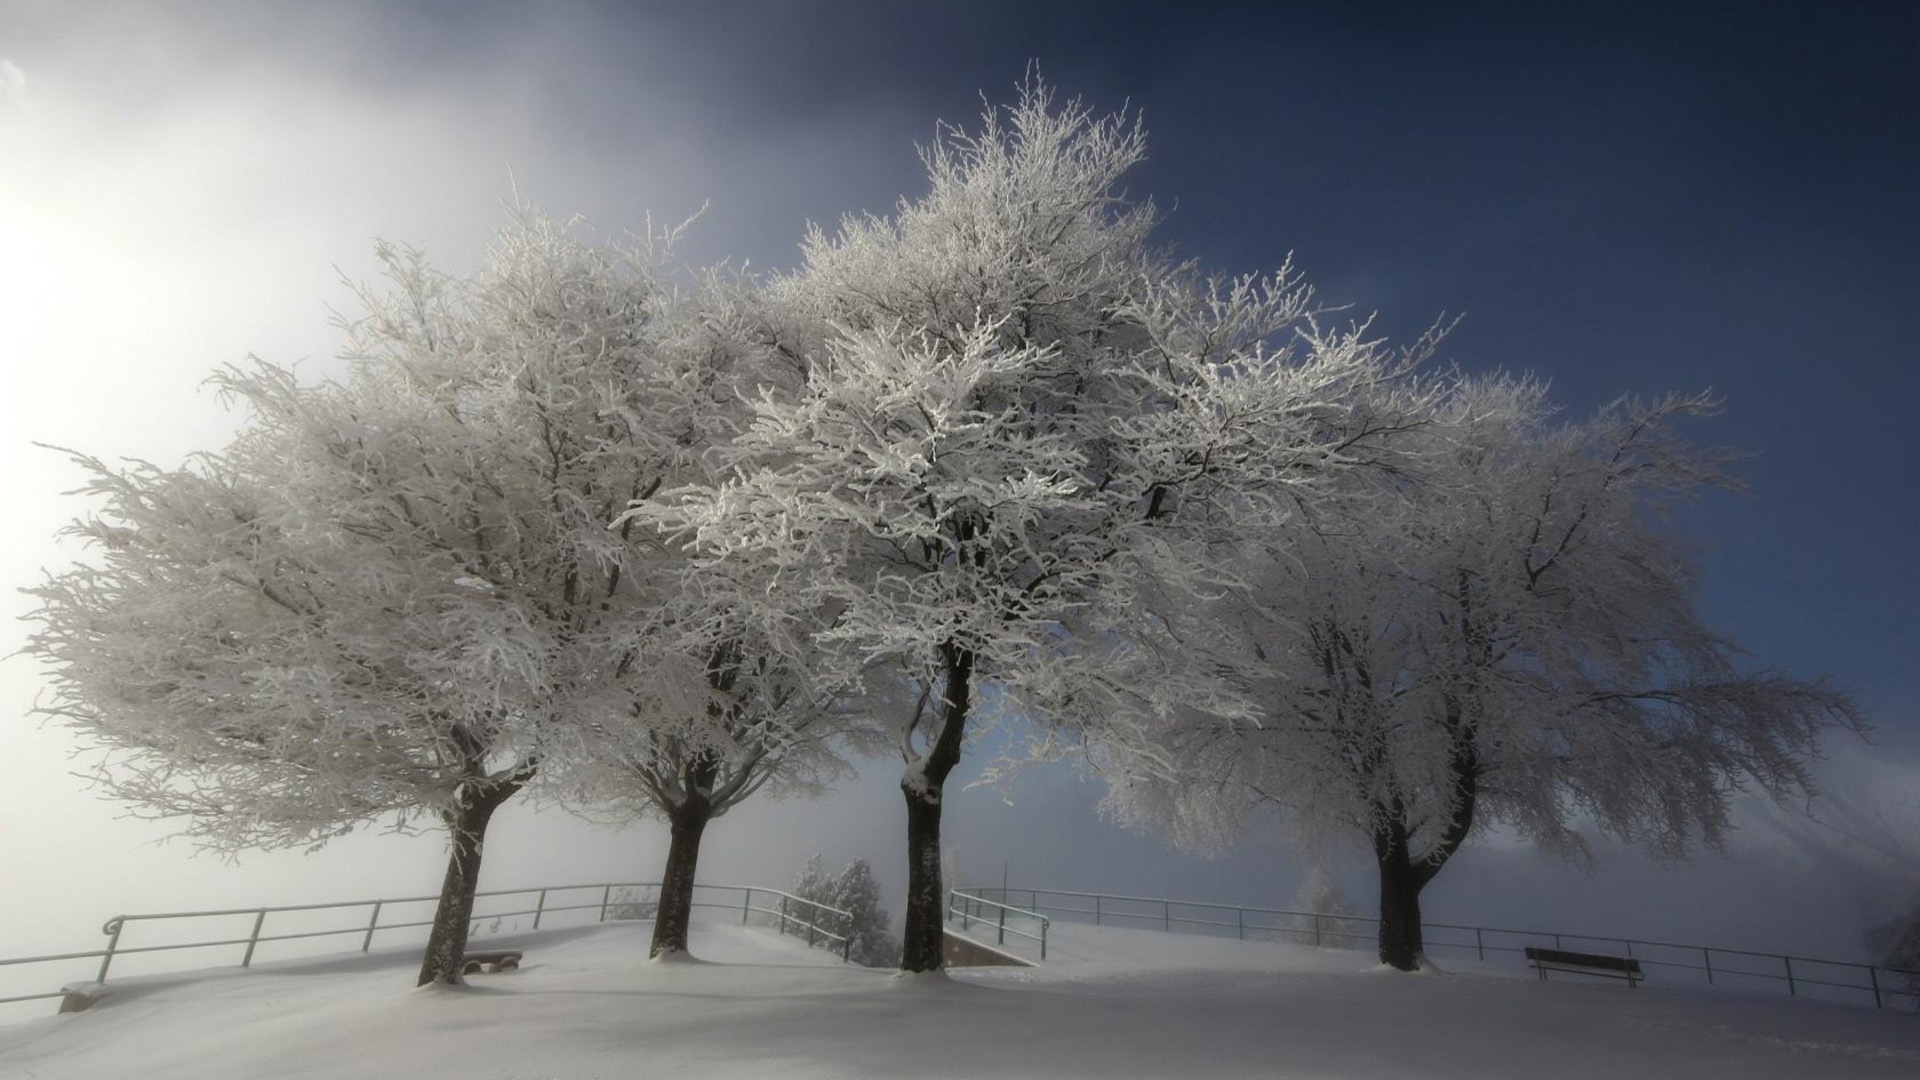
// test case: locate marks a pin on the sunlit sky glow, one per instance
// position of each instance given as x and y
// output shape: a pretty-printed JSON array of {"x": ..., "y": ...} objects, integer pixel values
[{"x": 1632, "y": 202}]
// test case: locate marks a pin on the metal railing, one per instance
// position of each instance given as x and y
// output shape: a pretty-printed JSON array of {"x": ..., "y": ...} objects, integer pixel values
[
  {"x": 970, "y": 908},
  {"x": 1840, "y": 980},
  {"x": 790, "y": 915},
  {"x": 815, "y": 933}
]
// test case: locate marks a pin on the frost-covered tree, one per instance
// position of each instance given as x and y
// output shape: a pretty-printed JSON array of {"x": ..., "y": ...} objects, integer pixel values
[
  {"x": 740, "y": 718},
  {"x": 1863, "y": 832},
  {"x": 1320, "y": 895},
  {"x": 278, "y": 682},
  {"x": 1896, "y": 945},
  {"x": 1508, "y": 637},
  {"x": 399, "y": 591},
  {"x": 720, "y": 691},
  {"x": 1017, "y": 421},
  {"x": 857, "y": 893},
  {"x": 593, "y": 381},
  {"x": 854, "y": 891}
]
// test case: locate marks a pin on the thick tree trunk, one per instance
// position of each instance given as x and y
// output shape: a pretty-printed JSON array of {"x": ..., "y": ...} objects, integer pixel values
[
  {"x": 923, "y": 947},
  {"x": 1402, "y": 876},
  {"x": 447, "y": 942},
  {"x": 923, "y": 943},
  {"x": 1401, "y": 945},
  {"x": 670, "y": 923}
]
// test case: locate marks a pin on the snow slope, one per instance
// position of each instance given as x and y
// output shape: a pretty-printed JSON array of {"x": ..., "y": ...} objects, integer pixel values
[{"x": 1115, "y": 1003}]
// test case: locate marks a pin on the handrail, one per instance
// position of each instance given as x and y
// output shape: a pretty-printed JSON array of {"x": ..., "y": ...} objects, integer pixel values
[
  {"x": 1325, "y": 925},
  {"x": 794, "y": 915},
  {"x": 786, "y": 898},
  {"x": 967, "y": 918}
]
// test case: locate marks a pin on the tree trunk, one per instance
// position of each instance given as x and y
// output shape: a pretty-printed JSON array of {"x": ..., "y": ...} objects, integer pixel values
[
  {"x": 1400, "y": 884},
  {"x": 675, "y": 912},
  {"x": 1402, "y": 876},
  {"x": 923, "y": 948},
  {"x": 924, "y": 935},
  {"x": 447, "y": 942}
]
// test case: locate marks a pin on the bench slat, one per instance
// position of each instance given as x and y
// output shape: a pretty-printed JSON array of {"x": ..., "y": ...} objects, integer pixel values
[
  {"x": 1579, "y": 963},
  {"x": 1594, "y": 960}
]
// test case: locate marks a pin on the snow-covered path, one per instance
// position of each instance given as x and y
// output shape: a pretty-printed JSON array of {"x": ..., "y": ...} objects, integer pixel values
[{"x": 1117, "y": 1004}]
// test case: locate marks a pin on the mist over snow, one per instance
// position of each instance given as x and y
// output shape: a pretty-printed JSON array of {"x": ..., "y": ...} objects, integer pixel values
[{"x": 1113, "y": 1004}]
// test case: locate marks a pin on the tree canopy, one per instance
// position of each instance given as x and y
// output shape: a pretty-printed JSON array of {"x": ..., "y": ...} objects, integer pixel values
[{"x": 1504, "y": 634}]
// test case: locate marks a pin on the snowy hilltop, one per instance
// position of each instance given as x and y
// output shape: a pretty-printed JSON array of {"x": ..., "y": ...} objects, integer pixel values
[{"x": 1109, "y": 1003}]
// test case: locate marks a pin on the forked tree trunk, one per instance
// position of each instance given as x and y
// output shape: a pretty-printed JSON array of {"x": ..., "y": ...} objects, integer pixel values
[
  {"x": 447, "y": 942},
  {"x": 924, "y": 934},
  {"x": 1402, "y": 876},
  {"x": 1401, "y": 945},
  {"x": 675, "y": 910}
]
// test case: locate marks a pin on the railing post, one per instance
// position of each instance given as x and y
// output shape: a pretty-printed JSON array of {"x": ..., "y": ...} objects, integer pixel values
[
  {"x": 1706, "y": 957},
  {"x": 783, "y": 916},
  {"x": 1045, "y": 923},
  {"x": 372, "y": 925},
  {"x": 247, "y": 960},
  {"x": 1788, "y": 961},
  {"x": 1002, "y": 939},
  {"x": 1556, "y": 941},
  {"x": 113, "y": 942},
  {"x": 1240, "y": 922},
  {"x": 1166, "y": 915},
  {"x": 1480, "y": 943},
  {"x": 746, "y": 906},
  {"x": 606, "y": 897},
  {"x": 1873, "y": 976},
  {"x": 1316, "y": 929},
  {"x": 539, "y": 908},
  {"x": 1096, "y": 909}
]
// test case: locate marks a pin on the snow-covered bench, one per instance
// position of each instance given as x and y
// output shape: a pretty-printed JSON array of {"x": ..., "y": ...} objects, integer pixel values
[
  {"x": 1579, "y": 963},
  {"x": 500, "y": 960},
  {"x": 80, "y": 996}
]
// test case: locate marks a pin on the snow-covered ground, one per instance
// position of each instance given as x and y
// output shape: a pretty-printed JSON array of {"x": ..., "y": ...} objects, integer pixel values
[{"x": 1113, "y": 1003}]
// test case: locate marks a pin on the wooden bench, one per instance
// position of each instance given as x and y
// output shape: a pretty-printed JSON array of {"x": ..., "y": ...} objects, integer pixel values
[
  {"x": 501, "y": 960},
  {"x": 1579, "y": 963}
]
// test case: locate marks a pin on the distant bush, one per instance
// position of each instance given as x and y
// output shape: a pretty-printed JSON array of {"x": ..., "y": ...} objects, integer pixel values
[
  {"x": 632, "y": 902},
  {"x": 1322, "y": 895},
  {"x": 854, "y": 890},
  {"x": 1896, "y": 944}
]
